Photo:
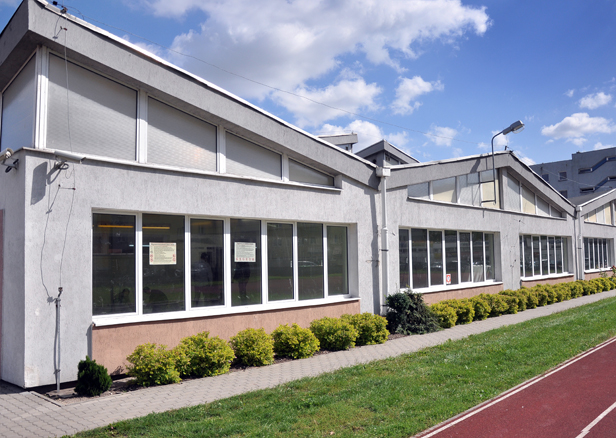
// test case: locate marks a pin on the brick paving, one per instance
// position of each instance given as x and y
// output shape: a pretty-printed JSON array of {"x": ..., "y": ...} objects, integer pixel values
[{"x": 27, "y": 414}]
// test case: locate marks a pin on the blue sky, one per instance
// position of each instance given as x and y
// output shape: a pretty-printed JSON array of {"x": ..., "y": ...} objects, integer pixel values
[{"x": 459, "y": 70}]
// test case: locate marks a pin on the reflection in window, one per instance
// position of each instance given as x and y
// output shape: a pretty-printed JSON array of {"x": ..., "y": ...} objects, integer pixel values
[
  {"x": 310, "y": 261},
  {"x": 451, "y": 255},
  {"x": 206, "y": 262},
  {"x": 419, "y": 248},
  {"x": 444, "y": 190},
  {"x": 163, "y": 263},
  {"x": 478, "y": 257},
  {"x": 552, "y": 254},
  {"x": 301, "y": 173},
  {"x": 536, "y": 256},
  {"x": 337, "y": 261},
  {"x": 544, "y": 255},
  {"x": 245, "y": 262},
  {"x": 280, "y": 262},
  {"x": 403, "y": 245},
  {"x": 559, "y": 256},
  {"x": 436, "y": 257},
  {"x": 465, "y": 257},
  {"x": 528, "y": 256},
  {"x": 113, "y": 264},
  {"x": 489, "y": 246}
]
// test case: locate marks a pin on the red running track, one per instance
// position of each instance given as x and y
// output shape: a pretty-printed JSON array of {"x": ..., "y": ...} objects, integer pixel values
[{"x": 575, "y": 400}]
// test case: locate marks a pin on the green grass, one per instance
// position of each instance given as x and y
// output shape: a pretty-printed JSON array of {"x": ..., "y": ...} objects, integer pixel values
[{"x": 391, "y": 398}]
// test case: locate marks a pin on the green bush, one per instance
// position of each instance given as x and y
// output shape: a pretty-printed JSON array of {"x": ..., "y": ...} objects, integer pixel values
[
  {"x": 520, "y": 295},
  {"x": 446, "y": 314},
  {"x": 589, "y": 287},
  {"x": 563, "y": 292},
  {"x": 512, "y": 303},
  {"x": 530, "y": 296},
  {"x": 371, "y": 329},
  {"x": 333, "y": 333},
  {"x": 92, "y": 378},
  {"x": 202, "y": 356},
  {"x": 407, "y": 314},
  {"x": 465, "y": 311},
  {"x": 253, "y": 348},
  {"x": 294, "y": 341},
  {"x": 498, "y": 304},
  {"x": 482, "y": 308},
  {"x": 153, "y": 364},
  {"x": 577, "y": 290}
]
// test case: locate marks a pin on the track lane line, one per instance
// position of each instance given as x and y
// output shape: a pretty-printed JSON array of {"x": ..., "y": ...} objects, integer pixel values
[
  {"x": 521, "y": 388},
  {"x": 594, "y": 423}
]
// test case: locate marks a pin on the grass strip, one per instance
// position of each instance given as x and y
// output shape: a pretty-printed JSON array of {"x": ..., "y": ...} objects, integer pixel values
[{"x": 396, "y": 397}]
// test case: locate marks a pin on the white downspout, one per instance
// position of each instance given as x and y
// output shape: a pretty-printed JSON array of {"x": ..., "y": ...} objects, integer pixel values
[{"x": 383, "y": 173}]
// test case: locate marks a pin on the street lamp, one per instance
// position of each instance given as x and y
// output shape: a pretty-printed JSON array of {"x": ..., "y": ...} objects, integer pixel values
[{"x": 514, "y": 127}]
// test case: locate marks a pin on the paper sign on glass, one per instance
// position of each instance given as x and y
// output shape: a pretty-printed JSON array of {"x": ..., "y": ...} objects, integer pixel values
[
  {"x": 245, "y": 252},
  {"x": 448, "y": 278},
  {"x": 163, "y": 253}
]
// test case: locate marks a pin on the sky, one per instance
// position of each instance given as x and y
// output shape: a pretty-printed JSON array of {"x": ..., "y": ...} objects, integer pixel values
[{"x": 436, "y": 78}]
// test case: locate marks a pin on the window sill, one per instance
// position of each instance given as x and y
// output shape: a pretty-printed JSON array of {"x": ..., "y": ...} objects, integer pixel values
[
  {"x": 108, "y": 320},
  {"x": 547, "y": 277},
  {"x": 453, "y": 287},
  {"x": 594, "y": 271}
]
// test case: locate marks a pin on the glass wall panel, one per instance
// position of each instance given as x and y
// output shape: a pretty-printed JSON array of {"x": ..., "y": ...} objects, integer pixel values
[
  {"x": 512, "y": 194},
  {"x": 586, "y": 253},
  {"x": 163, "y": 263},
  {"x": 279, "y": 262},
  {"x": 419, "y": 249},
  {"x": 310, "y": 261},
  {"x": 466, "y": 261},
  {"x": 552, "y": 254},
  {"x": 436, "y": 258},
  {"x": 544, "y": 255},
  {"x": 444, "y": 190},
  {"x": 18, "y": 108},
  {"x": 337, "y": 261},
  {"x": 248, "y": 159},
  {"x": 521, "y": 257},
  {"x": 488, "y": 187},
  {"x": 565, "y": 254},
  {"x": 608, "y": 214},
  {"x": 490, "y": 259},
  {"x": 470, "y": 193},
  {"x": 207, "y": 262},
  {"x": 543, "y": 208},
  {"x": 559, "y": 256},
  {"x": 301, "y": 173},
  {"x": 528, "y": 256},
  {"x": 536, "y": 256},
  {"x": 451, "y": 255},
  {"x": 606, "y": 261},
  {"x": 528, "y": 201},
  {"x": 421, "y": 191},
  {"x": 245, "y": 262},
  {"x": 403, "y": 246},
  {"x": 478, "y": 274},
  {"x": 113, "y": 264}
]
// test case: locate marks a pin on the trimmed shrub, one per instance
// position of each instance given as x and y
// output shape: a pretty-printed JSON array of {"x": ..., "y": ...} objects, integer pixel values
[
  {"x": 407, "y": 314},
  {"x": 152, "y": 364},
  {"x": 202, "y": 356},
  {"x": 465, "y": 311},
  {"x": 521, "y": 296},
  {"x": 92, "y": 378},
  {"x": 371, "y": 329},
  {"x": 253, "y": 347},
  {"x": 498, "y": 304},
  {"x": 530, "y": 297},
  {"x": 482, "y": 308},
  {"x": 333, "y": 333},
  {"x": 512, "y": 303},
  {"x": 294, "y": 341},
  {"x": 563, "y": 292},
  {"x": 589, "y": 287},
  {"x": 446, "y": 314},
  {"x": 577, "y": 290}
]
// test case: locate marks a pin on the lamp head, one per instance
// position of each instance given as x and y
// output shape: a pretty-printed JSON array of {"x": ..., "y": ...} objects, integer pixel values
[{"x": 514, "y": 127}]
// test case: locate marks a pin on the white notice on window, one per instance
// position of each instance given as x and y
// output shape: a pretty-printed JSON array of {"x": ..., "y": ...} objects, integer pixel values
[
  {"x": 245, "y": 252},
  {"x": 163, "y": 253}
]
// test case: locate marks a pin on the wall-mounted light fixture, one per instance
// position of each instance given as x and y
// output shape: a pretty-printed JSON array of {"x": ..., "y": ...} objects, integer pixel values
[
  {"x": 62, "y": 157},
  {"x": 5, "y": 155}
]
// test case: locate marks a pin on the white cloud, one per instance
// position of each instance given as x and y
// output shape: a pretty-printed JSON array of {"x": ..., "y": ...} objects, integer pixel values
[
  {"x": 569, "y": 93},
  {"x": 578, "y": 125},
  {"x": 409, "y": 90},
  {"x": 441, "y": 135},
  {"x": 399, "y": 139},
  {"x": 594, "y": 101},
  {"x": 349, "y": 95},
  {"x": 600, "y": 145},
  {"x": 286, "y": 44},
  {"x": 367, "y": 134},
  {"x": 524, "y": 159}
]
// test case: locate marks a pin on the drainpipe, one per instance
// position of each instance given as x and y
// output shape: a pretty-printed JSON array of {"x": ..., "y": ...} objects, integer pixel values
[
  {"x": 383, "y": 173},
  {"x": 579, "y": 247}
]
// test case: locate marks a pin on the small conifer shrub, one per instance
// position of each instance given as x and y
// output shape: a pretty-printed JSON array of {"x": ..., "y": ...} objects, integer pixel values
[{"x": 92, "y": 378}]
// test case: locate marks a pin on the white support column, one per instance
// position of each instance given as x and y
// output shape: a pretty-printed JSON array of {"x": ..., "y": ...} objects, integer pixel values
[{"x": 383, "y": 173}]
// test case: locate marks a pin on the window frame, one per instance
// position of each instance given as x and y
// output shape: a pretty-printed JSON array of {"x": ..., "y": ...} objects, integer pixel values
[{"x": 552, "y": 256}]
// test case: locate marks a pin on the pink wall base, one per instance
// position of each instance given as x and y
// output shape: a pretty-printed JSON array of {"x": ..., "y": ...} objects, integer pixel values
[
  {"x": 550, "y": 281},
  {"x": 435, "y": 297},
  {"x": 112, "y": 344}
]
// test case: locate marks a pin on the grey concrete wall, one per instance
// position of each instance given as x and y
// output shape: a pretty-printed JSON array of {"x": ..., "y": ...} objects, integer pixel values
[
  {"x": 13, "y": 304},
  {"x": 58, "y": 218}
]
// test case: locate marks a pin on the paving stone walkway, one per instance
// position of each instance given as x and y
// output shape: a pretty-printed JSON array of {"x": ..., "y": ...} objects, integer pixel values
[{"x": 28, "y": 414}]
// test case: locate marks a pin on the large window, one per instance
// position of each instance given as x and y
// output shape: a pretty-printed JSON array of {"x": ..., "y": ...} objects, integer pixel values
[
  {"x": 192, "y": 264},
  {"x": 543, "y": 255},
  {"x": 18, "y": 108},
  {"x": 597, "y": 253},
  {"x": 445, "y": 257}
]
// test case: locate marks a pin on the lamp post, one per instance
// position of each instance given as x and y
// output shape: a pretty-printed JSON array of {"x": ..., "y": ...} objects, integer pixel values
[{"x": 514, "y": 127}]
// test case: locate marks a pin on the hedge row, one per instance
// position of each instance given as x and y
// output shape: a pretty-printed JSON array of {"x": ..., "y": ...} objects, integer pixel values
[
  {"x": 465, "y": 310},
  {"x": 201, "y": 356}
]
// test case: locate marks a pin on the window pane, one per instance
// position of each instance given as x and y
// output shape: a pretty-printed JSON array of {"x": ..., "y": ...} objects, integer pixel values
[
  {"x": 528, "y": 201},
  {"x": 593, "y": 216},
  {"x": 536, "y": 256},
  {"x": 436, "y": 258},
  {"x": 469, "y": 189},
  {"x": 310, "y": 261},
  {"x": 451, "y": 255},
  {"x": 245, "y": 262},
  {"x": 490, "y": 260},
  {"x": 103, "y": 113},
  {"x": 248, "y": 159},
  {"x": 421, "y": 191},
  {"x": 601, "y": 215},
  {"x": 552, "y": 255},
  {"x": 465, "y": 257},
  {"x": 337, "y": 261},
  {"x": 544, "y": 255},
  {"x": 206, "y": 262},
  {"x": 279, "y": 262},
  {"x": 606, "y": 262},
  {"x": 419, "y": 248},
  {"x": 543, "y": 208},
  {"x": 559, "y": 256},
  {"x": 403, "y": 246},
  {"x": 113, "y": 264},
  {"x": 178, "y": 139},
  {"x": 18, "y": 107},
  {"x": 608, "y": 214},
  {"x": 488, "y": 186},
  {"x": 478, "y": 257},
  {"x": 586, "y": 254},
  {"x": 528, "y": 257},
  {"x": 565, "y": 255},
  {"x": 512, "y": 194},
  {"x": 444, "y": 190},
  {"x": 300, "y": 173},
  {"x": 521, "y": 257},
  {"x": 163, "y": 263}
]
